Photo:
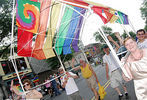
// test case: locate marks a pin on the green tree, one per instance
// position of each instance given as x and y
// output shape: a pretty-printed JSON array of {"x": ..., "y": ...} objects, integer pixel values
[
  {"x": 106, "y": 30},
  {"x": 5, "y": 18},
  {"x": 5, "y": 26},
  {"x": 132, "y": 34},
  {"x": 144, "y": 13}
]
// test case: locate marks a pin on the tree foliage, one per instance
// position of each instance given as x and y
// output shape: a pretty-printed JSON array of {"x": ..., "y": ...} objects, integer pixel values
[
  {"x": 144, "y": 13},
  {"x": 132, "y": 34},
  {"x": 5, "y": 18},
  {"x": 106, "y": 30}
]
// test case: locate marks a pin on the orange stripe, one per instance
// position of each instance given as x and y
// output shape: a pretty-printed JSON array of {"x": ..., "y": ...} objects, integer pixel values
[{"x": 38, "y": 52}]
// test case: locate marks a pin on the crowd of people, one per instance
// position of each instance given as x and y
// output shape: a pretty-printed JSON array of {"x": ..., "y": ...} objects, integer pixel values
[{"x": 134, "y": 62}]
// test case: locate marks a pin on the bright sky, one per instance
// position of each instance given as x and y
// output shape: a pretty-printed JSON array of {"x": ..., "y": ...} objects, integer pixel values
[{"x": 129, "y": 7}]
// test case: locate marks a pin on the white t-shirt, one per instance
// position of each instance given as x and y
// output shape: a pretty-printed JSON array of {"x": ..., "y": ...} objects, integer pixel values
[
  {"x": 143, "y": 44},
  {"x": 112, "y": 63},
  {"x": 71, "y": 86}
]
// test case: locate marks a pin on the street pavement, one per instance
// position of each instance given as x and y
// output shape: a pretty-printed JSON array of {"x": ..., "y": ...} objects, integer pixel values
[{"x": 87, "y": 94}]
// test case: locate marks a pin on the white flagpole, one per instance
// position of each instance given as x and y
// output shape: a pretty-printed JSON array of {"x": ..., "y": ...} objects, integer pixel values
[{"x": 12, "y": 58}]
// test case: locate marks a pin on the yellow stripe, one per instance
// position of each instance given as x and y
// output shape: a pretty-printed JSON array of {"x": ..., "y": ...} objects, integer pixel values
[
  {"x": 48, "y": 50},
  {"x": 106, "y": 83}
]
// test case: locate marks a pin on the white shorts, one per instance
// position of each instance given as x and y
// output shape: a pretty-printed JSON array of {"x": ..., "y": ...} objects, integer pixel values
[{"x": 116, "y": 79}]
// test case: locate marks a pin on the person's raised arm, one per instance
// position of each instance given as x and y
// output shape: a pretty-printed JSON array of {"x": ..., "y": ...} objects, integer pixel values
[
  {"x": 119, "y": 38},
  {"x": 14, "y": 89},
  {"x": 71, "y": 75},
  {"x": 115, "y": 43},
  {"x": 75, "y": 68}
]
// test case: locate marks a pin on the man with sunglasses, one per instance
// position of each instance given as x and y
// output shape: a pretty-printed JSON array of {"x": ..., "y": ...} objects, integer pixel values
[{"x": 142, "y": 41}]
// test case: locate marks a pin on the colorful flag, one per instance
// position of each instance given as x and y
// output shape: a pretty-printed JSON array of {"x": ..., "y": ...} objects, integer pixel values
[
  {"x": 27, "y": 15},
  {"x": 123, "y": 18},
  {"x": 36, "y": 79}
]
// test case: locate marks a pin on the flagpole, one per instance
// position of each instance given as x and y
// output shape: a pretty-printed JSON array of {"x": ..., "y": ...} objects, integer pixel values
[
  {"x": 12, "y": 48},
  {"x": 62, "y": 66},
  {"x": 131, "y": 25}
]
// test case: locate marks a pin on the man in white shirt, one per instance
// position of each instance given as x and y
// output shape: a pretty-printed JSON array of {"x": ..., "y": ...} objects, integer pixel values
[
  {"x": 67, "y": 82},
  {"x": 112, "y": 69},
  {"x": 142, "y": 41}
]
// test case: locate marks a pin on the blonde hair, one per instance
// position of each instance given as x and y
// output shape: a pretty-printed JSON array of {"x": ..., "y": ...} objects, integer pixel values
[{"x": 126, "y": 39}]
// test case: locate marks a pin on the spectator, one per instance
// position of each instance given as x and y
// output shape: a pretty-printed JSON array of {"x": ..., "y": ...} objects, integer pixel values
[
  {"x": 48, "y": 87},
  {"x": 54, "y": 85},
  {"x": 142, "y": 41}
]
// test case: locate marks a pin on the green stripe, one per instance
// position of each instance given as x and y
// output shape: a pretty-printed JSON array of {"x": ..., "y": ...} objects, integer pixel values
[{"x": 64, "y": 25}]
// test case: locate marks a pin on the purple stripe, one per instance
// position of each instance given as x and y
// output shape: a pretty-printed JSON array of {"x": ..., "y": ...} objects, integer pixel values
[
  {"x": 77, "y": 33},
  {"x": 23, "y": 24},
  {"x": 126, "y": 19}
]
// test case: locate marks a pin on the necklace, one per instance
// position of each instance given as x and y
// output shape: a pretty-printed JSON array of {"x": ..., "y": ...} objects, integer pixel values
[{"x": 140, "y": 55}]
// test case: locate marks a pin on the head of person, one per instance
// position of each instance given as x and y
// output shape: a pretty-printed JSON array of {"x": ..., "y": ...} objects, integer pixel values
[
  {"x": 105, "y": 49},
  {"x": 130, "y": 44},
  {"x": 141, "y": 34},
  {"x": 27, "y": 84},
  {"x": 60, "y": 70},
  {"x": 82, "y": 62}
]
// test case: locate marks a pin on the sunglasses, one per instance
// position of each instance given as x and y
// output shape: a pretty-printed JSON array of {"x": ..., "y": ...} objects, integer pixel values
[
  {"x": 26, "y": 85},
  {"x": 141, "y": 34}
]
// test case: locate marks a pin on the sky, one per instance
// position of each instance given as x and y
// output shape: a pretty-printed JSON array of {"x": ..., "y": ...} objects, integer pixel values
[{"x": 129, "y": 7}]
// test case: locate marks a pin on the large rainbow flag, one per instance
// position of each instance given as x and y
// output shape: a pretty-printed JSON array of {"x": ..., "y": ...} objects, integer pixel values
[{"x": 49, "y": 26}]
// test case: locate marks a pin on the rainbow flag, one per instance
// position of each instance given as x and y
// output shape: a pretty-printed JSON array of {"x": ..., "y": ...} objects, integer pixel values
[{"x": 36, "y": 79}]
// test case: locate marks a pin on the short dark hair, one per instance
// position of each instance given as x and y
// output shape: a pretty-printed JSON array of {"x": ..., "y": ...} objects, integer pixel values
[
  {"x": 141, "y": 30},
  {"x": 104, "y": 46}
]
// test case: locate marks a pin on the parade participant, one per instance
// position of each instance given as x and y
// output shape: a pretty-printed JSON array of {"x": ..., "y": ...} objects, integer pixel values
[
  {"x": 48, "y": 87},
  {"x": 31, "y": 94},
  {"x": 142, "y": 41},
  {"x": 113, "y": 69},
  {"x": 89, "y": 75},
  {"x": 54, "y": 85},
  {"x": 136, "y": 66},
  {"x": 57, "y": 81},
  {"x": 67, "y": 82}
]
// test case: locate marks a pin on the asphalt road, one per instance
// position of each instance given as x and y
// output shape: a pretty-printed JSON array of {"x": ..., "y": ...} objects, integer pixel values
[{"x": 87, "y": 94}]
